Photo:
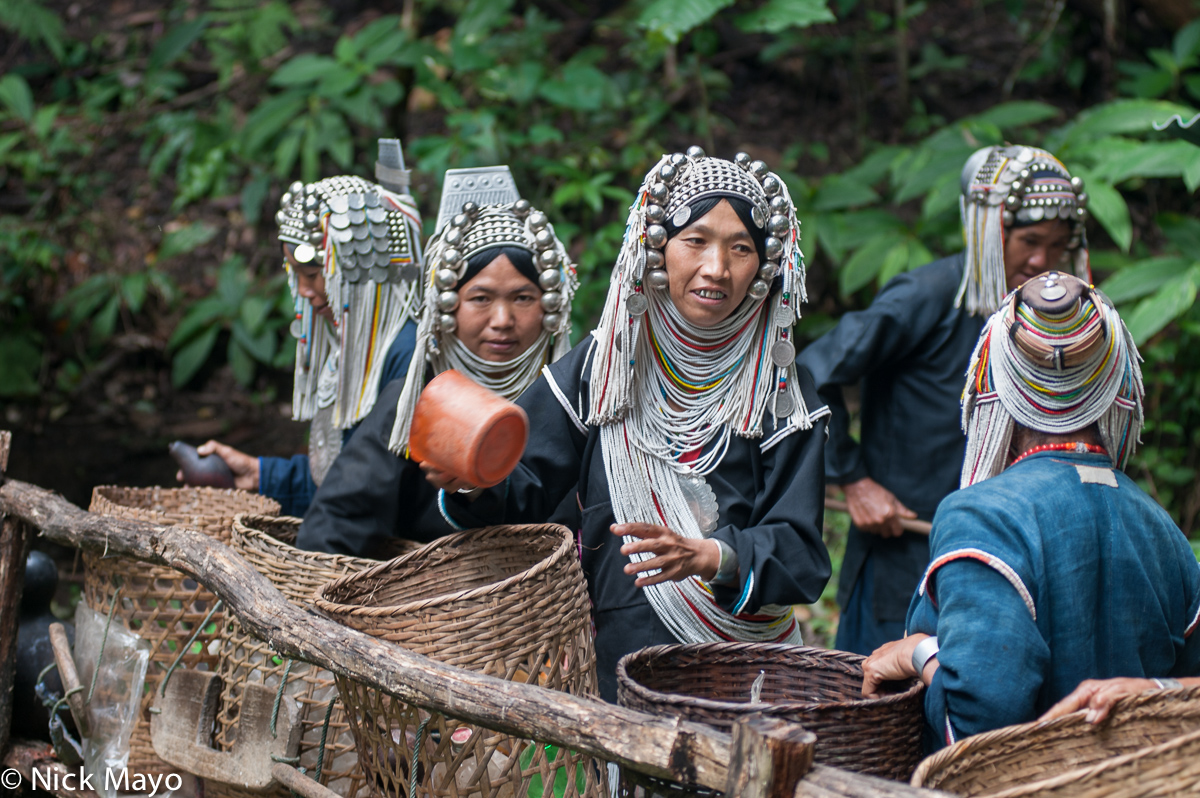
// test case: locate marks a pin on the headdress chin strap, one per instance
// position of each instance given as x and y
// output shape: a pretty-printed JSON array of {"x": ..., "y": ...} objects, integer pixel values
[
  {"x": 1056, "y": 358},
  {"x": 1006, "y": 187}
]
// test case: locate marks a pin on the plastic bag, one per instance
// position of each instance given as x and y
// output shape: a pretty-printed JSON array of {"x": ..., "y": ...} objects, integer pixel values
[{"x": 117, "y": 696}]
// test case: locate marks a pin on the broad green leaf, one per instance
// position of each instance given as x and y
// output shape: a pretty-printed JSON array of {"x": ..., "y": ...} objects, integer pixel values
[
  {"x": 943, "y": 197},
  {"x": 673, "y": 19},
  {"x": 918, "y": 254},
  {"x": 261, "y": 346},
  {"x": 16, "y": 96},
  {"x": 895, "y": 262},
  {"x": 200, "y": 317},
  {"x": 838, "y": 193},
  {"x": 1108, "y": 207},
  {"x": 777, "y": 16},
  {"x": 874, "y": 167},
  {"x": 254, "y": 194},
  {"x": 1016, "y": 114},
  {"x": 842, "y": 232},
  {"x": 303, "y": 69},
  {"x": 1155, "y": 312},
  {"x": 35, "y": 23},
  {"x": 1187, "y": 42},
  {"x": 1142, "y": 279},
  {"x": 582, "y": 87},
  {"x": 20, "y": 362},
  {"x": 480, "y": 18},
  {"x": 270, "y": 118},
  {"x": 254, "y": 312},
  {"x": 133, "y": 290},
  {"x": 866, "y": 263},
  {"x": 943, "y": 163},
  {"x": 1116, "y": 117},
  {"x": 190, "y": 357},
  {"x": 1150, "y": 159},
  {"x": 186, "y": 239},
  {"x": 175, "y": 43},
  {"x": 241, "y": 361},
  {"x": 104, "y": 323}
]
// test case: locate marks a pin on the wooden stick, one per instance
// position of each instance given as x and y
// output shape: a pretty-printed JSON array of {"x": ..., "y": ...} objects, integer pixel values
[
  {"x": 70, "y": 678},
  {"x": 769, "y": 757},
  {"x": 301, "y": 785},
  {"x": 907, "y": 524},
  {"x": 686, "y": 752},
  {"x": 12, "y": 578}
]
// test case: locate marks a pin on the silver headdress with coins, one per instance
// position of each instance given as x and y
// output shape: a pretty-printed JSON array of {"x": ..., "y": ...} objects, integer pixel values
[
  {"x": 467, "y": 229},
  {"x": 365, "y": 237},
  {"x": 1013, "y": 186},
  {"x": 1056, "y": 358},
  {"x": 662, "y": 387}
]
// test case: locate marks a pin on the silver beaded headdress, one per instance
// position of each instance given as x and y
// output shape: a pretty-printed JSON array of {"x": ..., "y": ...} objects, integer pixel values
[
  {"x": 366, "y": 239},
  {"x": 668, "y": 192},
  {"x": 1055, "y": 358},
  {"x": 1012, "y": 186},
  {"x": 468, "y": 232},
  {"x": 662, "y": 387}
]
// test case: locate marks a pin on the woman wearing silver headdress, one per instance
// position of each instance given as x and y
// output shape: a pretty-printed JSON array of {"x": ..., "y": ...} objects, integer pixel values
[
  {"x": 682, "y": 426},
  {"x": 499, "y": 285},
  {"x": 352, "y": 253},
  {"x": 1022, "y": 214}
]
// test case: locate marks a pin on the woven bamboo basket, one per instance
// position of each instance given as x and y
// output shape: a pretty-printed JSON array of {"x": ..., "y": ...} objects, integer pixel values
[
  {"x": 822, "y": 690},
  {"x": 1148, "y": 745},
  {"x": 267, "y": 543},
  {"x": 508, "y": 601},
  {"x": 161, "y": 604}
]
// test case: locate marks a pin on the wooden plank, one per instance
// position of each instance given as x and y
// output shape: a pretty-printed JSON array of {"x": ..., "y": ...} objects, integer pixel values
[
  {"x": 28, "y": 758},
  {"x": 668, "y": 748},
  {"x": 768, "y": 757},
  {"x": 12, "y": 578}
]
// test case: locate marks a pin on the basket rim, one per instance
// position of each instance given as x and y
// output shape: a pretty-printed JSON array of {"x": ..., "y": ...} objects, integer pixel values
[
  {"x": 286, "y": 551},
  {"x": 1122, "y": 712},
  {"x": 565, "y": 547},
  {"x": 268, "y": 504},
  {"x": 678, "y": 699}
]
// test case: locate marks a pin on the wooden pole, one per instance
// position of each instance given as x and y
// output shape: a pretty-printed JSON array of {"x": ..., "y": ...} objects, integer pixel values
[
  {"x": 681, "y": 751},
  {"x": 12, "y": 578},
  {"x": 907, "y": 524},
  {"x": 768, "y": 757}
]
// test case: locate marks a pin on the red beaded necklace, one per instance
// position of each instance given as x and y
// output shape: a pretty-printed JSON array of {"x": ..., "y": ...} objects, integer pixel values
[{"x": 1079, "y": 447}]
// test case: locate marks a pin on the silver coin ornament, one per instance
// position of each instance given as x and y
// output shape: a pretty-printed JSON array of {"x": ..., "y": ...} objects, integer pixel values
[
  {"x": 304, "y": 253},
  {"x": 296, "y": 328},
  {"x": 782, "y": 404},
  {"x": 783, "y": 353},
  {"x": 701, "y": 501},
  {"x": 756, "y": 216},
  {"x": 786, "y": 317},
  {"x": 379, "y": 274},
  {"x": 637, "y": 304},
  {"x": 1053, "y": 292},
  {"x": 681, "y": 216}
]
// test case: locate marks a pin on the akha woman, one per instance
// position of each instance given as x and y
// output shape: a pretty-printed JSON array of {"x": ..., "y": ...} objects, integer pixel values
[{"x": 690, "y": 442}]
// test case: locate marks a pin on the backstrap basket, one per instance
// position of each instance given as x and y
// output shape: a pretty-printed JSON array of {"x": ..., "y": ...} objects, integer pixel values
[
  {"x": 160, "y": 604},
  {"x": 267, "y": 543},
  {"x": 1149, "y": 745},
  {"x": 508, "y": 601},
  {"x": 712, "y": 683}
]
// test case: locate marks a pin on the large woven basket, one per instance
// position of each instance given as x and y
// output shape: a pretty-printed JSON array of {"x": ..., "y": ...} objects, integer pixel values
[
  {"x": 161, "y": 604},
  {"x": 1147, "y": 746},
  {"x": 267, "y": 544},
  {"x": 822, "y": 690},
  {"x": 508, "y": 601}
]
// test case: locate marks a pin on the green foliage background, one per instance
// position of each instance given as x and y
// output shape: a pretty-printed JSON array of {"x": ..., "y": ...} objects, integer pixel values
[{"x": 198, "y": 116}]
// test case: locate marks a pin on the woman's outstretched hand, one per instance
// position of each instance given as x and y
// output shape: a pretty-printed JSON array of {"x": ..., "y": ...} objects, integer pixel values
[
  {"x": 1097, "y": 696},
  {"x": 675, "y": 556}
]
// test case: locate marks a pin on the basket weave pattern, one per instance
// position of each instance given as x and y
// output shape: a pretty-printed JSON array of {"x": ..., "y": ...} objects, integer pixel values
[
  {"x": 1148, "y": 745},
  {"x": 267, "y": 544},
  {"x": 161, "y": 604},
  {"x": 822, "y": 690},
  {"x": 507, "y": 601}
]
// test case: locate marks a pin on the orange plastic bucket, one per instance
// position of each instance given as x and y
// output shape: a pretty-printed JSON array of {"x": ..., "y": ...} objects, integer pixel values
[{"x": 468, "y": 431}]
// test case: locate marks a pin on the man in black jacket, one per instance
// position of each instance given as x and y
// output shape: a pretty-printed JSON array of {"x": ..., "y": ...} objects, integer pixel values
[{"x": 1022, "y": 215}]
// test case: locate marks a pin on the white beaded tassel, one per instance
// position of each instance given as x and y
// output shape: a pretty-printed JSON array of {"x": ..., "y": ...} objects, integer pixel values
[{"x": 312, "y": 349}]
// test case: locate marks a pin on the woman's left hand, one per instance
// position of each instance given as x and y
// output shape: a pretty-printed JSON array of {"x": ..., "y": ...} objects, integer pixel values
[
  {"x": 675, "y": 556},
  {"x": 445, "y": 480}
]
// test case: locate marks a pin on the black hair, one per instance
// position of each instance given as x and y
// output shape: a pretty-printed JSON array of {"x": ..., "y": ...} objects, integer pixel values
[
  {"x": 741, "y": 207},
  {"x": 521, "y": 258}
]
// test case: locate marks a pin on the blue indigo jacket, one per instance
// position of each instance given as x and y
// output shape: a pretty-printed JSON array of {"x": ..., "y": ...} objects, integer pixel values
[{"x": 1058, "y": 569}]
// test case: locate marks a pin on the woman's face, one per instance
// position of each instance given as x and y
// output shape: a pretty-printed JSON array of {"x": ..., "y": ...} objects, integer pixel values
[
  {"x": 310, "y": 282},
  {"x": 499, "y": 312},
  {"x": 710, "y": 265}
]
